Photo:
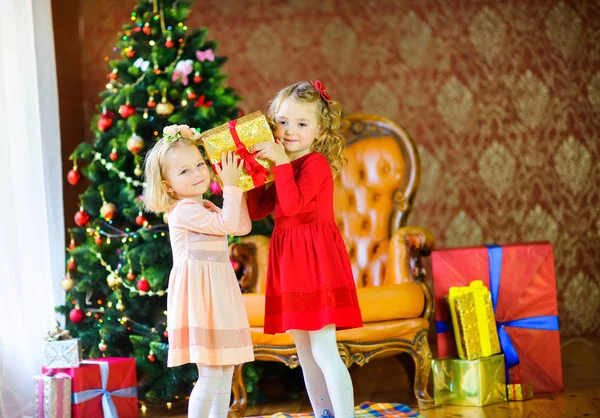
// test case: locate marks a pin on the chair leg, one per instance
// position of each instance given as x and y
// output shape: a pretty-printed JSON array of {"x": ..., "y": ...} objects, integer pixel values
[
  {"x": 240, "y": 396},
  {"x": 422, "y": 357},
  {"x": 408, "y": 364}
]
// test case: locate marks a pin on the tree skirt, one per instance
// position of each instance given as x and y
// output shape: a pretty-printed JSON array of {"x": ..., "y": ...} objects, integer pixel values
[{"x": 367, "y": 410}]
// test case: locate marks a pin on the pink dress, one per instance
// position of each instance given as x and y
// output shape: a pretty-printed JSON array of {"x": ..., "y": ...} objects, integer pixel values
[{"x": 207, "y": 320}]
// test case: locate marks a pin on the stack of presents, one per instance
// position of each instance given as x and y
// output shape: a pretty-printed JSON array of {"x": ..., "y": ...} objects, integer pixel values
[
  {"x": 94, "y": 388},
  {"x": 497, "y": 324}
]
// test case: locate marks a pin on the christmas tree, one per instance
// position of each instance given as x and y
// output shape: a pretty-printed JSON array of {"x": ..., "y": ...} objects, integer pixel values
[{"x": 119, "y": 258}]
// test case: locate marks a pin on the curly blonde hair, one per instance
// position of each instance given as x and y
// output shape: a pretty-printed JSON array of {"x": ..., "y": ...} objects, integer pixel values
[
  {"x": 329, "y": 140},
  {"x": 156, "y": 197}
]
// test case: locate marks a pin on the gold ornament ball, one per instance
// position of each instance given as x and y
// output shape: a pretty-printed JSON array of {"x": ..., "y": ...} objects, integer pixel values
[
  {"x": 135, "y": 144},
  {"x": 68, "y": 283},
  {"x": 108, "y": 210},
  {"x": 164, "y": 108},
  {"x": 166, "y": 218},
  {"x": 111, "y": 280},
  {"x": 102, "y": 346},
  {"x": 120, "y": 306},
  {"x": 137, "y": 171}
]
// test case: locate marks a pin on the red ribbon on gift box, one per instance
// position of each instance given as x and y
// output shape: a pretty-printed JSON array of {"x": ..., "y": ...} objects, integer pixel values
[
  {"x": 516, "y": 377},
  {"x": 258, "y": 173}
]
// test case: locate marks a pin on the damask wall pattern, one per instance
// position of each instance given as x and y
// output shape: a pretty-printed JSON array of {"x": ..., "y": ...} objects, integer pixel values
[{"x": 502, "y": 97}]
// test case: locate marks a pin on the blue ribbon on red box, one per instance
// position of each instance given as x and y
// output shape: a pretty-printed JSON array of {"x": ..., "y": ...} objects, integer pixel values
[
  {"x": 544, "y": 323},
  {"x": 108, "y": 406}
]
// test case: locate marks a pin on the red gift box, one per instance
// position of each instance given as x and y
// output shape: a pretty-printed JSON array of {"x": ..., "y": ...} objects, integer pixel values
[
  {"x": 104, "y": 388},
  {"x": 522, "y": 282}
]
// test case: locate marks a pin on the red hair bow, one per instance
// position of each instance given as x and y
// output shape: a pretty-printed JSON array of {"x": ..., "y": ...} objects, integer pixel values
[{"x": 322, "y": 90}]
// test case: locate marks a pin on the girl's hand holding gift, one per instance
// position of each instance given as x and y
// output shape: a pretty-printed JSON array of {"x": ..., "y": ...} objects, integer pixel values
[
  {"x": 231, "y": 171},
  {"x": 274, "y": 151}
]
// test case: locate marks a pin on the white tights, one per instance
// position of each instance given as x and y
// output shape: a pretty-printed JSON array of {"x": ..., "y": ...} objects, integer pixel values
[
  {"x": 326, "y": 377},
  {"x": 212, "y": 392}
]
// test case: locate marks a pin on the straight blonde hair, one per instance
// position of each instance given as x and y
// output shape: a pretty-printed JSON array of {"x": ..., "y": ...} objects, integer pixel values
[{"x": 156, "y": 197}]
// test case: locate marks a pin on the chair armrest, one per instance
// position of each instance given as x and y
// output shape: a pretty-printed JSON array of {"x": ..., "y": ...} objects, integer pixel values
[
  {"x": 407, "y": 248},
  {"x": 245, "y": 254},
  {"x": 252, "y": 253}
]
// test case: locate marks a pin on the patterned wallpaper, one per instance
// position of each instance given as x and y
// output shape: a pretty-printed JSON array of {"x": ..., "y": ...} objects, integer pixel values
[{"x": 503, "y": 99}]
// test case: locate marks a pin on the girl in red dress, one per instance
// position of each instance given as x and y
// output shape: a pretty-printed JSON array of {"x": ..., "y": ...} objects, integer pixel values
[{"x": 310, "y": 289}]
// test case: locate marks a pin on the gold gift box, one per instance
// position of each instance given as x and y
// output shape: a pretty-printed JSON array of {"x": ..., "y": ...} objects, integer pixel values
[
  {"x": 519, "y": 391},
  {"x": 251, "y": 129},
  {"x": 469, "y": 382},
  {"x": 473, "y": 321}
]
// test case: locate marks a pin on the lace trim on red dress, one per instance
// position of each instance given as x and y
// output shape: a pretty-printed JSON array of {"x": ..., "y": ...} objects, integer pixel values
[{"x": 310, "y": 302}]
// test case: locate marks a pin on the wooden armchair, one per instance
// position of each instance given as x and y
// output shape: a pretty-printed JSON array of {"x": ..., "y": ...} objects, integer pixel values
[{"x": 373, "y": 199}]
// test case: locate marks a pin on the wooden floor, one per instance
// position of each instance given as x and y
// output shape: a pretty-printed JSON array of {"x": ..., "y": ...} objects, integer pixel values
[{"x": 384, "y": 380}]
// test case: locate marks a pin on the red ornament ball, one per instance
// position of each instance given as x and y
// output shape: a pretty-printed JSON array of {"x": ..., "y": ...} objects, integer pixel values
[
  {"x": 151, "y": 357},
  {"x": 166, "y": 334},
  {"x": 143, "y": 285},
  {"x": 105, "y": 121},
  {"x": 71, "y": 265},
  {"x": 82, "y": 218},
  {"x": 151, "y": 103},
  {"x": 72, "y": 244},
  {"x": 215, "y": 188},
  {"x": 76, "y": 316},
  {"x": 98, "y": 240},
  {"x": 130, "y": 276},
  {"x": 113, "y": 156},
  {"x": 236, "y": 265},
  {"x": 126, "y": 110},
  {"x": 130, "y": 53},
  {"x": 140, "y": 220},
  {"x": 73, "y": 177},
  {"x": 169, "y": 43},
  {"x": 191, "y": 94},
  {"x": 197, "y": 78},
  {"x": 147, "y": 29},
  {"x": 112, "y": 76}
]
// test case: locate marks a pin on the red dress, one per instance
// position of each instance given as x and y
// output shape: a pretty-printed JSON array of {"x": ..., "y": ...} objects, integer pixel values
[{"x": 309, "y": 278}]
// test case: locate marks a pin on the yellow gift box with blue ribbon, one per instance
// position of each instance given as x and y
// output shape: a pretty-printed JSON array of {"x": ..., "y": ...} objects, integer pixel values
[{"x": 473, "y": 320}]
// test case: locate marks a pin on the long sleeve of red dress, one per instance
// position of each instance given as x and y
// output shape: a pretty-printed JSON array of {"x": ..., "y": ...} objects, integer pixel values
[
  {"x": 261, "y": 201},
  {"x": 295, "y": 193}
]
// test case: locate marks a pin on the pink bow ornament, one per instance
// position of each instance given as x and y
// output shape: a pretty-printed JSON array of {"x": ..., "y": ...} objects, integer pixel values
[
  {"x": 205, "y": 55},
  {"x": 182, "y": 70}
]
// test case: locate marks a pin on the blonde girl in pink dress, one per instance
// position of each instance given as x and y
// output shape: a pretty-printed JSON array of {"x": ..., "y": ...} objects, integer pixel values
[{"x": 206, "y": 316}]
